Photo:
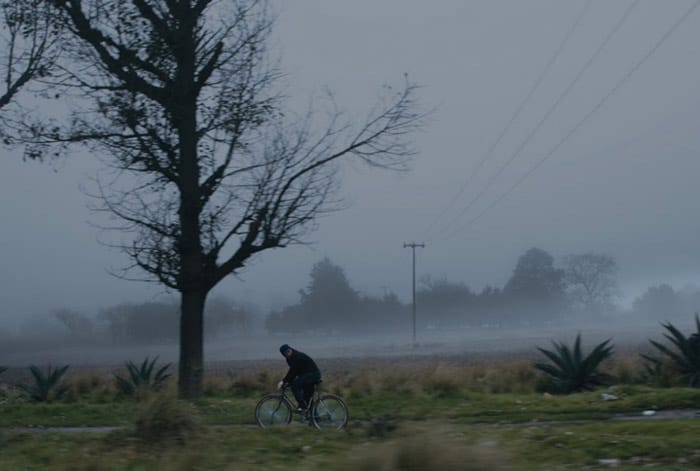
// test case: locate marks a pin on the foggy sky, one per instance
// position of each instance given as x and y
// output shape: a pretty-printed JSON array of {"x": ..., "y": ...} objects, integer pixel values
[{"x": 625, "y": 183}]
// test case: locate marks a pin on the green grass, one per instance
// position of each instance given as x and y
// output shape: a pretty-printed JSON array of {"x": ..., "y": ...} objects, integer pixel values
[
  {"x": 436, "y": 418},
  {"x": 672, "y": 443},
  {"x": 664, "y": 444},
  {"x": 466, "y": 407},
  {"x": 20, "y": 413}
]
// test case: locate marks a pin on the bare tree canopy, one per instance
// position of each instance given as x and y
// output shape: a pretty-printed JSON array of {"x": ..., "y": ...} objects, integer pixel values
[
  {"x": 591, "y": 281},
  {"x": 209, "y": 168},
  {"x": 27, "y": 35}
]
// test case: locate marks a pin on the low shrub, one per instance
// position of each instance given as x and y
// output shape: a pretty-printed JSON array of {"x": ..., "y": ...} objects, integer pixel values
[{"x": 164, "y": 418}]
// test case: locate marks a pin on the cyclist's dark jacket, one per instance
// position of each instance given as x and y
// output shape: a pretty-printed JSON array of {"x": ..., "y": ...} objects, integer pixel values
[{"x": 299, "y": 364}]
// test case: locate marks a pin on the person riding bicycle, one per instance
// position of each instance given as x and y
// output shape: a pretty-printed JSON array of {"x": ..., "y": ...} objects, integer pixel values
[{"x": 302, "y": 375}]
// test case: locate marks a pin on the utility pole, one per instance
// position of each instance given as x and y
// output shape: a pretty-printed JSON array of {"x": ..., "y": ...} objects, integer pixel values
[{"x": 413, "y": 246}]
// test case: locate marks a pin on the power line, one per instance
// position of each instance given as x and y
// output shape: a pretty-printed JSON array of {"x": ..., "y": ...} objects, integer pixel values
[
  {"x": 550, "y": 111},
  {"x": 595, "y": 109},
  {"x": 515, "y": 116}
]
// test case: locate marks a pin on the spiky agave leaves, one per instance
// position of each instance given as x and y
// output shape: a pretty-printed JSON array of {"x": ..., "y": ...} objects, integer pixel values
[
  {"x": 142, "y": 377},
  {"x": 570, "y": 371},
  {"x": 46, "y": 387},
  {"x": 683, "y": 353}
]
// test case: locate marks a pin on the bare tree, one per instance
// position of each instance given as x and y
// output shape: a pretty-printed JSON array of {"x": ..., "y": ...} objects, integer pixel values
[
  {"x": 208, "y": 171},
  {"x": 76, "y": 323},
  {"x": 590, "y": 279},
  {"x": 27, "y": 35}
]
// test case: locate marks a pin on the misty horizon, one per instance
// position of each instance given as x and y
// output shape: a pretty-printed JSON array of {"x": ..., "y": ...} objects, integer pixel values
[{"x": 622, "y": 184}]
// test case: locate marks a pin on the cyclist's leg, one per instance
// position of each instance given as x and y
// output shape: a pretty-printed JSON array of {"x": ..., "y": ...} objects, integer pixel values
[
  {"x": 303, "y": 388},
  {"x": 298, "y": 390},
  {"x": 310, "y": 381}
]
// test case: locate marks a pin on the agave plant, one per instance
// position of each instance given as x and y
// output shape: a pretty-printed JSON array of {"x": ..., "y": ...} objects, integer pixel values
[
  {"x": 570, "y": 371},
  {"x": 142, "y": 377},
  {"x": 46, "y": 387},
  {"x": 683, "y": 353}
]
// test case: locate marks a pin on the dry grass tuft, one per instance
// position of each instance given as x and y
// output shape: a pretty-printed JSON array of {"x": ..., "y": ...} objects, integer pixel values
[
  {"x": 437, "y": 378},
  {"x": 94, "y": 385},
  {"x": 216, "y": 385},
  {"x": 252, "y": 383}
]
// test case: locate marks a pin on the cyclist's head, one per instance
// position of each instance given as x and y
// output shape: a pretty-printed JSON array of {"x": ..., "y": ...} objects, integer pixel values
[{"x": 284, "y": 349}]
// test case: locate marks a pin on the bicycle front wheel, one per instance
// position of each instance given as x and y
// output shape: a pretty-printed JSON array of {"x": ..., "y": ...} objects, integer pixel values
[
  {"x": 273, "y": 410},
  {"x": 330, "y": 412}
]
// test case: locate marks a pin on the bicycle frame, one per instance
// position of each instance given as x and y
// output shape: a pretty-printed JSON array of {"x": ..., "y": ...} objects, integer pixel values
[
  {"x": 324, "y": 410},
  {"x": 315, "y": 396}
]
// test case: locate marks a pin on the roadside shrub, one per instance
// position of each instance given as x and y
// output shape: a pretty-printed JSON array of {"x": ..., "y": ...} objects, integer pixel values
[
  {"x": 683, "y": 354},
  {"x": 163, "y": 418},
  {"x": 141, "y": 378},
  {"x": 570, "y": 371},
  {"x": 46, "y": 387}
]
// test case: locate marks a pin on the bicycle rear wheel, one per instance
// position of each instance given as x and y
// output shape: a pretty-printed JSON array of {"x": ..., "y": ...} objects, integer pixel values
[
  {"x": 330, "y": 412},
  {"x": 273, "y": 410}
]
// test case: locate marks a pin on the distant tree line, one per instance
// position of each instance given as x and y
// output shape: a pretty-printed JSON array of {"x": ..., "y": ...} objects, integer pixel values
[
  {"x": 329, "y": 303},
  {"x": 582, "y": 287},
  {"x": 662, "y": 302},
  {"x": 155, "y": 321}
]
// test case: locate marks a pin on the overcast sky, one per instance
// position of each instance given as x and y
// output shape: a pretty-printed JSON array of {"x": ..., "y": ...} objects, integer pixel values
[{"x": 615, "y": 162}]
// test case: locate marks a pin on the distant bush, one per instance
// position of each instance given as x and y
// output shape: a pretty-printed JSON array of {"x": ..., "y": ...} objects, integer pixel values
[
  {"x": 682, "y": 355},
  {"x": 2, "y": 369},
  {"x": 570, "y": 371},
  {"x": 164, "y": 418},
  {"x": 46, "y": 387},
  {"x": 142, "y": 378}
]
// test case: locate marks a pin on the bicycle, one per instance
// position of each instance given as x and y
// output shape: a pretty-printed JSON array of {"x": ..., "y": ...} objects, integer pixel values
[{"x": 325, "y": 411}]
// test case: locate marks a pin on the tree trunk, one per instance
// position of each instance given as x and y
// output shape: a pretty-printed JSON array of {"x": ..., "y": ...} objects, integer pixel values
[
  {"x": 191, "y": 280},
  {"x": 191, "y": 369}
]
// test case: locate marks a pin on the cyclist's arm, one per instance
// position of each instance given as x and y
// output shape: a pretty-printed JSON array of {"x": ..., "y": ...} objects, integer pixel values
[{"x": 291, "y": 374}]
